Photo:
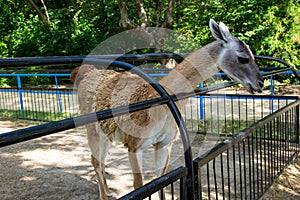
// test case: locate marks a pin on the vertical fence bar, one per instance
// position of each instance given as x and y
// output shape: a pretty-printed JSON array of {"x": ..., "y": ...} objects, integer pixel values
[
  {"x": 297, "y": 126},
  {"x": 183, "y": 192},
  {"x": 201, "y": 104},
  {"x": 228, "y": 174},
  {"x": 198, "y": 180},
  {"x": 58, "y": 94},
  {"x": 215, "y": 178},
  {"x": 222, "y": 176},
  {"x": 218, "y": 116},
  {"x": 20, "y": 91},
  {"x": 272, "y": 85},
  {"x": 225, "y": 115},
  {"x": 208, "y": 181},
  {"x": 234, "y": 171},
  {"x": 232, "y": 116},
  {"x": 250, "y": 147}
]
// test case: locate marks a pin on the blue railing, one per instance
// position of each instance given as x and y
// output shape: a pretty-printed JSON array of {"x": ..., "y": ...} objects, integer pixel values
[
  {"x": 20, "y": 91},
  {"x": 19, "y": 84}
]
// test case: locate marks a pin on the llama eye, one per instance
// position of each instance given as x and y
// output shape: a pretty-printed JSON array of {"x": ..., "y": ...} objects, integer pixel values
[{"x": 243, "y": 60}]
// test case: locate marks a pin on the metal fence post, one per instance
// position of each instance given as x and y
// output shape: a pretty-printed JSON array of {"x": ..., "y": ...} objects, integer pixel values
[
  {"x": 201, "y": 104},
  {"x": 58, "y": 94},
  {"x": 272, "y": 85},
  {"x": 297, "y": 126},
  {"x": 20, "y": 91}
]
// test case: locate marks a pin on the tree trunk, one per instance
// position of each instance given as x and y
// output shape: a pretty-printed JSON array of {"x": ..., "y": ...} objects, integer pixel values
[{"x": 40, "y": 14}]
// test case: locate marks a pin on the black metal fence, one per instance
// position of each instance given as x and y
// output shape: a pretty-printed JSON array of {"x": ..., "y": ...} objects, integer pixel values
[
  {"x": 245, "y": 166},
  {"x": 241, "y": 167},
  {"x": 227, "y": 114}
]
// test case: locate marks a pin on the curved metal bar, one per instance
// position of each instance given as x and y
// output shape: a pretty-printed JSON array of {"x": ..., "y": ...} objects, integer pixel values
[{"x": 269, "y": 58}]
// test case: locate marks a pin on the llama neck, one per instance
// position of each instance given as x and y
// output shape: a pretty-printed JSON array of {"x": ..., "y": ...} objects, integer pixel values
[{"x": 194, "y": 69}]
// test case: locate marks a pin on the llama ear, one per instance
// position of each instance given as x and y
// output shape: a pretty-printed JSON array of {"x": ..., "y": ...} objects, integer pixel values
[{"x": 220, "y": 32}]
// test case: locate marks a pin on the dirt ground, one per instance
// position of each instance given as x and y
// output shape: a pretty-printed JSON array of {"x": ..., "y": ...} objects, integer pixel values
[
  {"x": 52, "y": 167},
  {"x": 287, "y": 186},
  {"x": 58, "y": 167}
]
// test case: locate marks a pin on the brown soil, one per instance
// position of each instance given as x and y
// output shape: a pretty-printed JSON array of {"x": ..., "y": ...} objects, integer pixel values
[
  {"x": 58, "y": 167},
  {"x": 52, "y": 167},
  {"x": 287, "y": 186}
]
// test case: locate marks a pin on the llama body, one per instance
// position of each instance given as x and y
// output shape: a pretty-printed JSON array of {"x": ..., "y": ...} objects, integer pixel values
[{"x": 155, "y": 126}]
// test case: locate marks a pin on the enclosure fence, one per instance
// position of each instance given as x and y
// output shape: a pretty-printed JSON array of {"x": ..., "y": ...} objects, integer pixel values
[
  {"x": 43, "y": 105},
  {"x": 255, "y": 150},
  {"x": 245, "y": 166}
]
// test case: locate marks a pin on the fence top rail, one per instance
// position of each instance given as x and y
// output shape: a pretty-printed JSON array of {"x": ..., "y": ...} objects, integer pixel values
[
  {"x": 63, "y": 75},
  {"x": 153, "y": 72},
  {"x": 63, "y": 60},
  {"x": 205, "y": 92},
  {"x": 67, "y": 60},
  {"x": 248, "y": 96},
  {"x": 227, "y": 144}
]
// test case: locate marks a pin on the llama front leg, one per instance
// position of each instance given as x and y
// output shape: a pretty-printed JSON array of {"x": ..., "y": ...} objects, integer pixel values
[
  {"x": 99, "y": 146},
  {"x": 135, "y": 159}
]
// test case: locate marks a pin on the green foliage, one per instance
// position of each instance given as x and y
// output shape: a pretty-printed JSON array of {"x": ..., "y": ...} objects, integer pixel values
[
  {"x": 284, "y": 22},
  {"x": 216, "y": 126},
  {"x": 4, "y": 82},
  {"x": 73, "y": 30},
  {"x": 76, "y": 27},
  {"x": 34, "y": 115},
  {"x": 269, "y": 27}
]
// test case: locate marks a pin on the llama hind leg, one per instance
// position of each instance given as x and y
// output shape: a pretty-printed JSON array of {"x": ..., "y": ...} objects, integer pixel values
[
  {"x": 135, "y": 159},
  {"x": 162, "y": 158},
  {"x": 101, "y": 180}
]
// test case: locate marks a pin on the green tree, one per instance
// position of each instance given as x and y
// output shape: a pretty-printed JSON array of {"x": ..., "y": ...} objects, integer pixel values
[
  {"x": 76, "y": 27},
  {"x": 269, "y": 27}
]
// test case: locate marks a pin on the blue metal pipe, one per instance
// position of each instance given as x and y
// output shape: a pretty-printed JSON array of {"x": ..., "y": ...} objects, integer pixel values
[
  {"x": 46, "y": 75},
  {"x": 20, "y": 92},
  {"x": 201, "y": 104},
  {"x": 58, "y": 94}
]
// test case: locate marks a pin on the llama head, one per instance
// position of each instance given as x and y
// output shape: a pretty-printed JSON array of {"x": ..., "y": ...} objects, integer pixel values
[{"x": 236, "y": 59}]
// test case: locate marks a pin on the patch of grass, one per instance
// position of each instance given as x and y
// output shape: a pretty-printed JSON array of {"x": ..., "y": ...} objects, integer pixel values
[
  {"x": 227, "y": 127},
  {"x": 34, "y": 115}
]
